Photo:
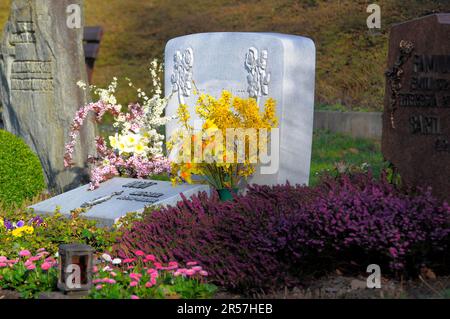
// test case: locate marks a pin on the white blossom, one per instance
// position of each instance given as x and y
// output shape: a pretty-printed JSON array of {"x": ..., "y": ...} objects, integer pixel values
[{"x": 106, "y": 258}]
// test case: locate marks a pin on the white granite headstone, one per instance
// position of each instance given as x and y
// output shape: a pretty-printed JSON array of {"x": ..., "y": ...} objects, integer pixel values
[
  {"x": 258, "y": 65},
  {"x": 117, "y": 197}
]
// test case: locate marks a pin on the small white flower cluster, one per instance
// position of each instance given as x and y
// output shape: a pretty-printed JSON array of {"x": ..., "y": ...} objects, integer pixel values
[
  {"x": 139, "y": 134},
  {"x": 105, "y": 95},
  {"x": 109, "y": 259},
  {"x": 136, "y": 143},
  {"x": 136, "y": 150}
]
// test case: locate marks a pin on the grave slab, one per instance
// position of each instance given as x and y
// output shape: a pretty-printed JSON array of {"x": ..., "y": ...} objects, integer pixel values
[
  {"x": 117, "y": 197},
  {"x": 258, "y": 65}
]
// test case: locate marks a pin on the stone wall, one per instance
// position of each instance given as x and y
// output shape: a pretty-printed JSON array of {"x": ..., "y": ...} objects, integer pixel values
[{"x": 356, "y": 124}]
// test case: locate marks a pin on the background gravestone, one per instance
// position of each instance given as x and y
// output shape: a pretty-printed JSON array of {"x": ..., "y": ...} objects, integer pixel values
[
  {"x": 416, "y": 118},
  {"x": 258, "y": 65},
  {"x": 41, "y": 60}
]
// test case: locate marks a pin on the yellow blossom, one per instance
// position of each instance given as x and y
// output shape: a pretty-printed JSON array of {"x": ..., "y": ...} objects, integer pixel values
[
  {"x": 19, "y": 232},
  {"x": 226, "y": 112},
  {"x": 139, "y": 149}
]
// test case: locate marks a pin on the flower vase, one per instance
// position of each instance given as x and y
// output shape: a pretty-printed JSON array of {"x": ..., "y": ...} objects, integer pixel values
[{"x": 226, "y": 194}]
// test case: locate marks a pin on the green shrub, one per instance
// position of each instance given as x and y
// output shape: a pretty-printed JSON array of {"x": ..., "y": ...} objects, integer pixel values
[
  {"x": 21, "y": 175},
  {"x": 22, "y": 229}
]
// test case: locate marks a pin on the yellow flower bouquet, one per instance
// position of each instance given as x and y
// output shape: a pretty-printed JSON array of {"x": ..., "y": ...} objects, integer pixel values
[{"x": 223, "y": 149}]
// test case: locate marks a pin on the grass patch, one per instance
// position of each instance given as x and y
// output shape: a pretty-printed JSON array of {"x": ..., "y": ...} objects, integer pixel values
[
  {"x": 340, "y": 108},
  {"x": 332, "y": 148}
]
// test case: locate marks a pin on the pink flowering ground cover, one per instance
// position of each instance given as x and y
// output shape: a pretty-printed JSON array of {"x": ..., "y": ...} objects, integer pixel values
[
  {"x": 29, "y": 274},
  {"x": 275, "y": 236},
  {"x": 140, "y": 277},
  {"x": 143, "y": 276}
]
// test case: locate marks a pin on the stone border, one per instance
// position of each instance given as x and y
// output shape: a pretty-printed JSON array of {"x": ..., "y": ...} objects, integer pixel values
[{"x": 357, "y": 124}]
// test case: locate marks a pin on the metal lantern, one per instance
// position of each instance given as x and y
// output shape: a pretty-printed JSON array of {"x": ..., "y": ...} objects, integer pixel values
[{"x": 75, "y": 268}]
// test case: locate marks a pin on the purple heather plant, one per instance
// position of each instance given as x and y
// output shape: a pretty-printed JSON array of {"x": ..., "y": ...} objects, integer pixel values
[{"x": 270, "y": 236}]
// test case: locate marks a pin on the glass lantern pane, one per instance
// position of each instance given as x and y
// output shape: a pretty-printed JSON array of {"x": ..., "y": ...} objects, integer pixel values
[{"x": 82, "y": 262}]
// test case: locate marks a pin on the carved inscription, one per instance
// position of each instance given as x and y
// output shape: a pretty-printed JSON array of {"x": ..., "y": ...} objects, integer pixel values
[
  {"x": 147, "y": 194},
  {"x": 429, "y": 83},
  {"x": 442, "y": 145},
  {"x": 425, "y": 125},
  {"x": 24, "y": 33},
  {"x": 139, "y": 184},
  {"x": 428, "y": 89},
  {"x": 32, "y": 76}
]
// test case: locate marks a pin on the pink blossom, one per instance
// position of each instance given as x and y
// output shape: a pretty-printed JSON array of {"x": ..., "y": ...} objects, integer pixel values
[
  {"x": 42, "y": 254},
  {"x": 135, "y": 297},
  {"x": 98, "y": 287},
  {"x": 158, "y": 265},
  {"x": 13, "y": 261},
  {"x": 149, "y": 284},
  {"x": 46, "y": 266},
  {"x": 172, "y": 265},
  {"x": 3, "y": 265},
  {"x": 190, "y": 272},
  {"x": 24, "y": 253},
  {"x": 95, "y": 269},
  {"x": 113, "y": 274},
  {"x": 96, "y": 281},
  {"x": 203, "y": 273},
  {"x": 150, "y": 258},
  {"x": 177, "y": 273},
  {"x": 41, "y": 250},
  {"x": 192, "y": 263},
  {"x": 154, "y": 275},
  {"x": 393, "y": 252},
  {"x": 151, "y": 270},
  {"x": 139, "y": 253},
  {"x": 135, "y": 276},
  {"x": 3, "y": 259},
  {"x": 196, "y": 268},
  {"x": 110, "y": 281},
  {"x": 35, "y": 258},
  {"x": 31, "y": 267},
  {"x": 107, "y": 268},
  {"x": 130, "y": 267},
  {"x": 129, "y": 260},
  {"x": 133, "y": 284}
]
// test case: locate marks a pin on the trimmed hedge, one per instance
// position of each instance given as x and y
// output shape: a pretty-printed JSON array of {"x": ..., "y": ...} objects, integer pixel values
[
  {"x": 273, "y": 236},
  {"x": 21, "y": 175}
]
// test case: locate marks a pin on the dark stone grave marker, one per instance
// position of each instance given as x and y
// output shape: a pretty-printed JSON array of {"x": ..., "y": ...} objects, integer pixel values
[{"x": 416, "y": 118}]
